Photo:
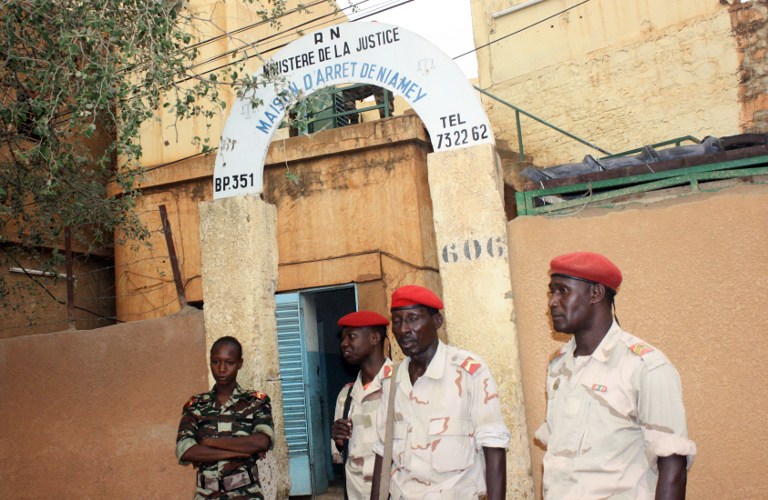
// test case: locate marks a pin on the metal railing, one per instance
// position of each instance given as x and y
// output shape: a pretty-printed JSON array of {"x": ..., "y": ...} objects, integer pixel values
[
  {"x": 677, "y": 142},
  {"x": 519, "y": 112},
  {"x": 340, "y": 110}
]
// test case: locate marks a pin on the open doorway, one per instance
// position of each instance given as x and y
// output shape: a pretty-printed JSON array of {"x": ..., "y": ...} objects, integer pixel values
[{"x": 312, "y": 372}]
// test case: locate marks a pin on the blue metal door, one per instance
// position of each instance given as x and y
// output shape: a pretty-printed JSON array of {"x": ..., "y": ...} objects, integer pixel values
[
  {"x": 292, "y": 354},
  {"x": 307, "y": 405}
]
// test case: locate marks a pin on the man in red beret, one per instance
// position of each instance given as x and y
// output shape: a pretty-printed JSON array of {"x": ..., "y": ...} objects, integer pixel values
[
  {"x": 615, "y": 424},
  {"x": 450, "y": 439},
  {"x": 353, "y": 431}
]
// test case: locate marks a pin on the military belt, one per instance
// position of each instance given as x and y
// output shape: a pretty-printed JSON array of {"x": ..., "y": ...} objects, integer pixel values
[{"x": 227, "y": 483}]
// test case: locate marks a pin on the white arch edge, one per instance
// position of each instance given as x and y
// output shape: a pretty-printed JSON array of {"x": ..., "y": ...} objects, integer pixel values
[{"x": 390, "y": 57}]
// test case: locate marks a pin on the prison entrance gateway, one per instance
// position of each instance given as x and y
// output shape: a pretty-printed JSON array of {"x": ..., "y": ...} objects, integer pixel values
[{"x": 462, "y": 142}]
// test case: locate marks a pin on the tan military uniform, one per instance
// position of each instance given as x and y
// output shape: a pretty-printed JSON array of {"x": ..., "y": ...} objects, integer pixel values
[
  {"x": 362, "y": 412},
  {"x": 609, "y": 417},
  {"x": 442, "y": 422}
]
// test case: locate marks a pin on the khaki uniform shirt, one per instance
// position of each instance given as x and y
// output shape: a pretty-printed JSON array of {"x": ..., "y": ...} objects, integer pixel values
[
  {"x": 362, "y": 412},
  {"x": 441, "y": 424},
  {"x": 609, "y": 417}
]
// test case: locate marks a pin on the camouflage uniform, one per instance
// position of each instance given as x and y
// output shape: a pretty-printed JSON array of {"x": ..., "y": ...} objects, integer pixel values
[
  {"x": 362, "y": 412},
  {"x": 245, "y": 413},
  {"x": 441, "y": 425},
  {"x": 609, "y": 417}
]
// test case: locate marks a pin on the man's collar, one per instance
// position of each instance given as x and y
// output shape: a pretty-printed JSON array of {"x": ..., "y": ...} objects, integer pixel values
[
  {"x": 606, "y": 345},
  {"x": 436, "y": 367}
]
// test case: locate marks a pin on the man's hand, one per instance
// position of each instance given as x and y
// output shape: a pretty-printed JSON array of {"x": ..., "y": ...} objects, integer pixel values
[{"x": 341, "y": 431}]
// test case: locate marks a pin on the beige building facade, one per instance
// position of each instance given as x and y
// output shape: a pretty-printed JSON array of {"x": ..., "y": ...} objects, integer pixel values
[
  {"x": 368, "y": 208},
  {"x": 621, "y": 75}
]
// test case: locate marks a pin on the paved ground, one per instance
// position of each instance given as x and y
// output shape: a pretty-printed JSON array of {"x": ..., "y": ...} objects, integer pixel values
[{"x": 335, "y": 492}]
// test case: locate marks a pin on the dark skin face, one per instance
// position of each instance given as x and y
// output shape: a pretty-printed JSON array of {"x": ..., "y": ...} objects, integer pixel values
[
  {"x": 357, "y": 343},
  {"x": 226, "y": 361},
  {"x": 415, "y": 329},
  {"x": 570, "y": 304}
]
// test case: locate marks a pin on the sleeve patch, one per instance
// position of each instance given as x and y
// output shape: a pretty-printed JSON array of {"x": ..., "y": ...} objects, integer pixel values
[
  {"x": 470, "y": 365},
  {"x": 387, "y": 371},
  {"x": 641, "y": 349},
  {"x": 191, "y": 401},
  {"x": 259, "y": 395}
]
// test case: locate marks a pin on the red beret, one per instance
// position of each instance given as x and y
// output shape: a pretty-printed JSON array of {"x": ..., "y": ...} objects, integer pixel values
[
  {"x": 363, "y": 318},
  {"x": 412, "y": 295},
  {"x": 587, "y": 266}
]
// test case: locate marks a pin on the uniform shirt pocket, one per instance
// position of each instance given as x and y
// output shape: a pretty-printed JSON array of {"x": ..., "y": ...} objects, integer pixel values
[
  {"x": 450, "y": 444},
  {"x": 569, "y": 423}
]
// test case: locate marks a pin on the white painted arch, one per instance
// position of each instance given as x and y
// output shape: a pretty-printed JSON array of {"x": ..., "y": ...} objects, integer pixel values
[{"x": 365, "y": 52}]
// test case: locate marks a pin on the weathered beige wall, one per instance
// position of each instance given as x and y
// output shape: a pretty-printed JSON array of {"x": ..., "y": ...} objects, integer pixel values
[
  {"x": 235, "y": 29},
  {"x": 474, "y": 271},
  {"x": 353, "y": 197},
  {"x": 94, "y": 414},
  {"x": 694, "y": 286},
  {"x": 618, "y": 74},
  {"x": 359, "y": 194},
  {"x": 29, "y": 309},
  {"x": 238, "y": 239}
]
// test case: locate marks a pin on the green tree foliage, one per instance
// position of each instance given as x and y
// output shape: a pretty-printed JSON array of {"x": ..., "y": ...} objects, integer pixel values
[{"x": 78, "y": 78}]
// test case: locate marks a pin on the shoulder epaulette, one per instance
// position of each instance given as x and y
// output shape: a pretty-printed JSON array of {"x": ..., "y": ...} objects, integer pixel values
[
  {"x": 387, "y": 371},
  {"x": 556, "y": 355},
  {"x": 641, "y": 349},
  {"x": 259, "y": 395},
  {"x": 470, "y": 365},
  {"x": 191, "y": 401}
]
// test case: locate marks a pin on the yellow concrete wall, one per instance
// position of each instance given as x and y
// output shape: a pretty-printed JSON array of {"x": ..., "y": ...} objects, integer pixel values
[
  {"x": 618, "y": 74},
  {"x": 356, "y": 197},
  {"x": 474, "y": 271},
  {"x": 694, "y": 286},
  {"x": 94, "y": 414},
  {"x": 165, "y": 139}
]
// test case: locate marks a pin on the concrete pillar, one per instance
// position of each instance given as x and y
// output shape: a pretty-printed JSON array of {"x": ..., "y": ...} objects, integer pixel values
[
  {"x": 470, "y": 229},
  {"x": 239, "y": 267}
]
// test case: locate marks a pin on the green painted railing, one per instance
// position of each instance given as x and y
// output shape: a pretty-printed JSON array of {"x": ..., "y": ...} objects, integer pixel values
[
  {"x": 677, "y": 142},
  {"x": 518, "y": 112},
  {"x": 605, "y": 190},
  {"x": 340, "y": 111}
]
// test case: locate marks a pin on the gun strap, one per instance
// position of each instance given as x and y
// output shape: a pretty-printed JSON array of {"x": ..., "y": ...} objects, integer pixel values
[
  {"x": 347, "y": 404},
  {"x": 386, "y": 462}
]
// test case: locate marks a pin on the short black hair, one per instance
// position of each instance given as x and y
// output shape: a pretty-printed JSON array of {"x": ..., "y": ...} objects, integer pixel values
[
  {"x": 231, "y": 341},
  {"x": 382, "y": 330}
]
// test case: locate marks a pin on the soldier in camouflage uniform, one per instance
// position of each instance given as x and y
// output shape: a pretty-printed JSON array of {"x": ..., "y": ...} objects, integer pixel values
[
  {"x": 615, "y": 424},
  {"x": 362, "y": 344},
  {"x": 450, "y": 439},
  {"x": 225, "y": 431}
]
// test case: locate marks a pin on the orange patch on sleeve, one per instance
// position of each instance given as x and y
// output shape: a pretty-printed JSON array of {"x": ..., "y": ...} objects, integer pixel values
[{"x": 470, "y": 365}]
